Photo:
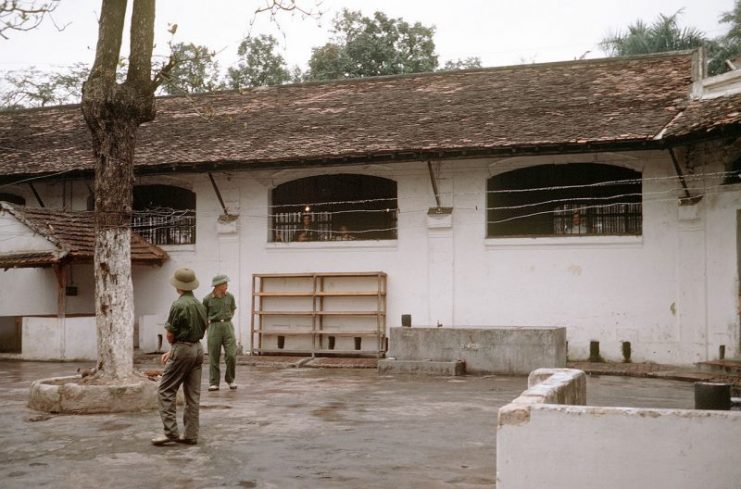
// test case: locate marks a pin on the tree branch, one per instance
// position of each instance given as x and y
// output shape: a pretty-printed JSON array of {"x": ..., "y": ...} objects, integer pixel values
[{"x": 16, "y": 16}]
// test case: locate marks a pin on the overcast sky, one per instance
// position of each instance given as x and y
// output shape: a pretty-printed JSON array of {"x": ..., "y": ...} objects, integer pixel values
[{"x": 500, "y": 32}]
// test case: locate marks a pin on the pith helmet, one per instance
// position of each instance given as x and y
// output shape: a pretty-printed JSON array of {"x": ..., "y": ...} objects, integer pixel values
[
  {"x": 184, "y": 279},
  {"x": 219, "y": 279}
]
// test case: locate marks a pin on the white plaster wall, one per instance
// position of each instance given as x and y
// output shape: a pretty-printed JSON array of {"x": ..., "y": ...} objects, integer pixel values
[
  {"x": 52, "y": 338},
  {"x": 16, "y": 236},
  {"x": 608, "y": 289},
  {"x": 671, "y": 292},
  {"x": 28, "y": 291},
  {"x": 568, "y": 447},
  {"x": 723, "y": 289},
  {"x": 80, "y": 341}
]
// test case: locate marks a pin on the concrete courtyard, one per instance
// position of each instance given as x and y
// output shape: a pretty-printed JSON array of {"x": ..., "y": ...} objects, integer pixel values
[{"x": 287, "y": 428}]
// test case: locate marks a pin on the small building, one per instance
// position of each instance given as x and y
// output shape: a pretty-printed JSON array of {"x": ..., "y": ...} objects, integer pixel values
[{"x": 599, "y": 195}]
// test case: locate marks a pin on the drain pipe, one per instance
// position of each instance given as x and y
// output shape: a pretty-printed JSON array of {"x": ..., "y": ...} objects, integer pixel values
[
  {"x": 688, "y": 199},
  {"x": 434, "y": 184},
  {"x": 36, "y": 194},
  {"x": 218, "y": 194}
]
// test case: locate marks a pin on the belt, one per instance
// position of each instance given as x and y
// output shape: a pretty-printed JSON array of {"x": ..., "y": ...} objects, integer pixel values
[
  {"x": 191, "y": 343},
  {"x": 221, "y": 321}
]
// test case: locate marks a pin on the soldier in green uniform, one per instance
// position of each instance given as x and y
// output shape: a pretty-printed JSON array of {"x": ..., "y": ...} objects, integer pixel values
[
  {"x": 186, "y": 325},
  {"x": 220, "y": 306}
]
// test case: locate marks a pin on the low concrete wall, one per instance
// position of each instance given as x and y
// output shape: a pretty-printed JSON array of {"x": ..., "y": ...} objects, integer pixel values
[
  {"x": 152, "y": 333},
  {"x": 544, "y": 440},
  {"x": 52, "y": 338},
  {"x": 69, "y": 395},
  {"x": 507, "y": 350}
]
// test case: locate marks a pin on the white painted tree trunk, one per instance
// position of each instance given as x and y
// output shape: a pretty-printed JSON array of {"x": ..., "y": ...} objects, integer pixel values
[{"x": 114, "y": 302}]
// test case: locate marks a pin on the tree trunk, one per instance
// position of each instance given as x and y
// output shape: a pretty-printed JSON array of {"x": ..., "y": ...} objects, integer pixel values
[
  {"x": 114, "y": 295},
  {"x": 113, "y": 113}
]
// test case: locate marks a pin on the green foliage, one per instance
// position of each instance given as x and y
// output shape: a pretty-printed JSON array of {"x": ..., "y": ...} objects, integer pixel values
[
  {"x": 728, "y": 46},
  {"x": 462, "y": 64},
  {"x": 195, "y": 71},
  {"x": 373, "y": 46},
  {"x": 258, "y": 64},
  {"x": 34, "y": 88},
  {"x": 664, "y": 34}
]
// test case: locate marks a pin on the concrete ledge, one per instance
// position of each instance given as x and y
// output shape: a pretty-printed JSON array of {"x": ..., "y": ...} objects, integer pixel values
[
  {"x": 497, "y": 350},
  {"x": 547, "y": 437},
  {"x": 68, "y": 395},
  {"x": 421, "y": 367}
]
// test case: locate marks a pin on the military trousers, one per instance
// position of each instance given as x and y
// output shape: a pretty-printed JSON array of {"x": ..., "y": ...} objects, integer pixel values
[
  {"x": 221, "y": 334},
  {"x": 184, "y": 367}
]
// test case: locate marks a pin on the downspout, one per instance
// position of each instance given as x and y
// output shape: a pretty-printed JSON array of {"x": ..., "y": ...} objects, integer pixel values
[
  {"x": 218, "y": 194},
  {"x": 434, "y": 184},
  {"x": 59, "y": 271},
  {"x": 36, "y": 194},
  {"x": 688, "y": 198}
]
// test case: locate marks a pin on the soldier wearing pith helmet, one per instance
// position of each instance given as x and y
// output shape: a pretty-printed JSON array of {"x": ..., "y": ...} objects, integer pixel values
[
  {"x": 220, "y": 306},
  {"x": 185, "y": 327}
]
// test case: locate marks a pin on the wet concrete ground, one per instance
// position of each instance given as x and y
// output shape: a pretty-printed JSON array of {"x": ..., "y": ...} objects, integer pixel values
[{"x": 287, "y": 428}]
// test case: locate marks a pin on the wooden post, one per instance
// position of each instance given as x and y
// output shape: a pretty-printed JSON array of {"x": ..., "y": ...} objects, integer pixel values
[{"x": 59, "y": 271}]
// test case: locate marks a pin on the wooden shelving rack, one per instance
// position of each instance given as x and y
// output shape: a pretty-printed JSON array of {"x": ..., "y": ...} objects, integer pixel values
[{"x": 342, "y": 313}]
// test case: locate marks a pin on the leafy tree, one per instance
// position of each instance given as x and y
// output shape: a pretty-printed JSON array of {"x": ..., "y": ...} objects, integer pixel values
[
  {"x": 195, "y": 71},
  {"x": 35, "y": 88},
  {"x": 664, "y": 34},
  {"x": 462, "y": 64},
  {"x": 372, "y": 46},
  {"x": 728, "y": 46},
  {"x": 30, "y": 88},
  {"x": 258, "y": 64}
]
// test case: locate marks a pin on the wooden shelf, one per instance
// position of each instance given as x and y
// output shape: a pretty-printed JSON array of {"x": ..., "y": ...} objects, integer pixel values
[
  {"x": 283, "y": 294},
  {"x": 366, "y": 291},
  {"x": 285, "y": 313},
  {"x": 350, "y": 313},
  {"x": 273, "y": 332},
  {"x": 346, "y": 333},
  {"x": 350, "y": 294}
]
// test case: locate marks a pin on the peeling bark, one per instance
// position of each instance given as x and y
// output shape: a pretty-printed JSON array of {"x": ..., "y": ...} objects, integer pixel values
[{"x": 113, "y": 112}]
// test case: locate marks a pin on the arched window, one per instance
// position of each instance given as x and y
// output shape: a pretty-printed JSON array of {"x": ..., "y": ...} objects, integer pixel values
[
  {"x": 164, "y": 214},
  {"x": 564, "y": 200},
  {"x": 12, "y": 198},
  {"x": 334, "y": 207}
]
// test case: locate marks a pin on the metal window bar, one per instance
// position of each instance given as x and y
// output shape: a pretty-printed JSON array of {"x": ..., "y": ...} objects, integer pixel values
[
  {"x": 161, "y": 228},
  {"x": 608, "y": 219}
]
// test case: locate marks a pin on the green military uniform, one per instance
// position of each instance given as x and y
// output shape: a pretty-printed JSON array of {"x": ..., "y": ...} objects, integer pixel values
[
  {"x": 187, "y": 322},
  {"x": 221, "y": 332}
]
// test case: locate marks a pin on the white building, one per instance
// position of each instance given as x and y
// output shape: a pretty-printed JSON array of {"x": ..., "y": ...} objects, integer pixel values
[{"x": 600, "y": 195}]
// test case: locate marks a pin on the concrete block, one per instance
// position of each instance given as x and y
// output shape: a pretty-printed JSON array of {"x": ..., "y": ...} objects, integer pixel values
[
  {"x": 501, "y": 350},
  {"x": 421, "y": 367}
]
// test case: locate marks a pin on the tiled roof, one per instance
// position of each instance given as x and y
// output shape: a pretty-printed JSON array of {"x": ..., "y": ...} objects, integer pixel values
[
  {"x": 706, "y": 116},
  {"x": 29, "y": 260},
  {"x": 73, "y": 233},
  {"x": 576, "y": 105}
]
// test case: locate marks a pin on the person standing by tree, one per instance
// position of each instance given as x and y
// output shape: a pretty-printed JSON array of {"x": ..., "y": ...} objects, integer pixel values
[
  {"x": 220, "y": 306},
  {"x": 186, "y": 325}
]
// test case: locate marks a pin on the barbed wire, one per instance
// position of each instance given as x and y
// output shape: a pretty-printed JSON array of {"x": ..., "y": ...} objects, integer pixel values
[{"x": 175, "y": 215}]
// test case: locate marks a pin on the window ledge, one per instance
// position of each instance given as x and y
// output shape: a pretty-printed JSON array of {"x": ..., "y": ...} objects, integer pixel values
[
  {"x": 175, "y": 248},
  {"x": 333, "y": 245},
  {"x": 566, "y": 241}
]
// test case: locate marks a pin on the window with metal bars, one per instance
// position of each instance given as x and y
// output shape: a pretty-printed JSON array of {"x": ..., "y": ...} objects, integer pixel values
[
  {"x": 334, "y": 208},
  {"x": 578, "y": 199},
  {"x": 164, "y": 214}
]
